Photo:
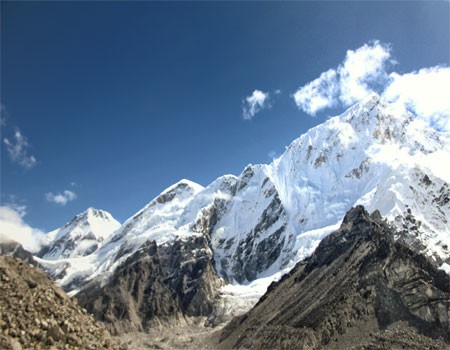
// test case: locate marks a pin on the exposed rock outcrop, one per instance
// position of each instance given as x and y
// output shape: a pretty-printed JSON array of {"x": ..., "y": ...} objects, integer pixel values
[
  {"x": 35, "y": 314},
  {"x": 359, "y": 290},
  {"x": 12, "y": 248},
  {"x": 157, "y": 283}
]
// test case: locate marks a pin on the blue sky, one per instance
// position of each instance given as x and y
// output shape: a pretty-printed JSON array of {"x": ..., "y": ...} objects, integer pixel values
[{"x": 112, "y": 102}]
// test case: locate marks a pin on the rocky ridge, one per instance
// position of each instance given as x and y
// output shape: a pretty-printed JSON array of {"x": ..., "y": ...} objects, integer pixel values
[
  {"x": 156, "y": 284},
  {"x": 35, "y": 314},
  {"x": 358, "y": 281},
  {"x": 12, "y": 248}
]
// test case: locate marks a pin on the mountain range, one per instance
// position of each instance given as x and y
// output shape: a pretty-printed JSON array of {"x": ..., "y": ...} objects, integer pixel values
[{"x": 212, "y": 251}]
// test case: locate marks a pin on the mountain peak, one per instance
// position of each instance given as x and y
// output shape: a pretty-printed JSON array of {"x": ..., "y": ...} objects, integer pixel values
[
  {"x": 185, "y": 183},
  {"x": 372, "y": 99},
  {"x": 81, "y": 236},
  {"x": 91, "y": 216},
  {"x": 93, "y": 212},
  {"x": 356, "y": 214},
  {"x": 181, "y": 189}
]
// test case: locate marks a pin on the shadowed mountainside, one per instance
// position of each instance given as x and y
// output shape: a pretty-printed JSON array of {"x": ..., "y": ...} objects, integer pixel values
[
  {"x": 359, "y": 290},
  {"x": 157, "y": 283}
]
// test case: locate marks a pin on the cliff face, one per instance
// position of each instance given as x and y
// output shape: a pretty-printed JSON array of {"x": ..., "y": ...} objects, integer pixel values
[
  {"x": 359, "y": 290},
  {"x": 35, "y": 314},
  {"x": 154, "y": 284}
]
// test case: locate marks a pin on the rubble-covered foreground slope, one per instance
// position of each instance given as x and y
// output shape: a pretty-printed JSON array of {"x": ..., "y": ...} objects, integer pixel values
[
  {"x": 35, "y": 314},
  {"x": 359, "y": 290}
]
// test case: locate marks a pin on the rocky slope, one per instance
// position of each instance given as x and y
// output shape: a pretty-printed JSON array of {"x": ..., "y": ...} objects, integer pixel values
[
  {"x": 156, "y": 284},
  {"x": 359, "y": 281},
  {"x": 12, "y": 248},
  {"x": 35, "y": 314}
]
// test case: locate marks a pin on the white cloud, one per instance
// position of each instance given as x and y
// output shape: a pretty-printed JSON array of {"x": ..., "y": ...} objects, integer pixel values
[
  {"x": 361, "y": 73},
  {"x": 18, "y": 150},
  {"x": 425, "y": 92},
  {"x": 254, "y": 104},
  {"x": 318, "y": 94},
  {"x": 15, "y": 203},
  {"x": 12, "y": 227},
  {"x": 361, "y": 70},
  {"x": 365, "y": 71},
  {"x": 61, "y": 198}
]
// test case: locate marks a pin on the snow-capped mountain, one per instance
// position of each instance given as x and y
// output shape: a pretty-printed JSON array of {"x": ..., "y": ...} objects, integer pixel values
[
  {"x": 81, "y": 236},
  {"x": 271, "y": 216},
  {"x": 374, "y": 154}
]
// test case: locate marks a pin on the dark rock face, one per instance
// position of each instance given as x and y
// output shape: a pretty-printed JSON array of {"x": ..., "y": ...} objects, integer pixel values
[
  {"x": 242, "y": 257},
  {"x": 253, "y": 255},
  {"x": 436, "y": 203},
  {"x": 206, "y": 223},
  {"x": 170, "y": 195},
  {"x": 359, "y": 290},
  {"x": 35, "y": 314},
  {"x": 15, "y": 249},
  {"x": 156, "y": 283}
]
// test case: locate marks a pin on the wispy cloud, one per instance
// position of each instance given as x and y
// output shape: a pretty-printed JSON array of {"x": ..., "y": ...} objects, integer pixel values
[
  {"x": 361, "y": 73},
  {"x": 254, "y": 103},
  {"x": 13, "y": 228},
  {"x": 17, "y": 147},
  {"x": 61, "y": 198}
]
